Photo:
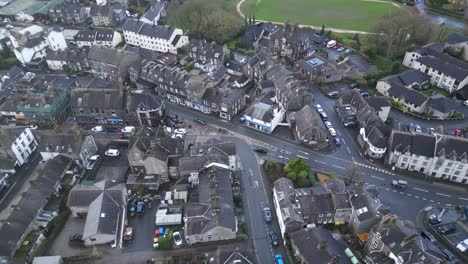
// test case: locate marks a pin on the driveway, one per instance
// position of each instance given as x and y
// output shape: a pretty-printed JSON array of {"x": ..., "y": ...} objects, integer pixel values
[
  {"x": 60, "y": 246},
  {"x": 143, "y": 230}
]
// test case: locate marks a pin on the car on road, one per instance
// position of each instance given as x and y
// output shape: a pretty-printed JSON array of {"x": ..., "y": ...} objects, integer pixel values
[
  {"x": 334, "y": 94},
  {"x": 448, "y": 255},
  {"x": 267, "y": 214},
  {"x": 324, "y": 116},
  {"x": 97, "y": 129},
  {"x": 332, "y": 131},
  {"x": 112, "y": 152},
  {"x": 274, "y": 238},
  {"x": 434, "y": 220},
  {"x": 411, "y": 127},
  {"x": 319, "y": 108},
  {"x": 418, "y": 128},
  {"x": 429, "y": 236},
  {"x": 401, "y": 184},
  {"x": 128, "y": 129},
  {"x": 199, "y": 121},
  {"x": 140, "y": 207},
  {"x": 347, "y": 51},
  {"x": 261, "y": 150},
  {"x": 132, "y": 210},
  {"x": 337, "y": 141},
  {"x": 328, "y": 124},
  {"x": 279, "y": 259},
  {"x": 180, "y": 131},
  {"x": 463, "y": 246},
  {"x": 112, "y": 129},
  {"x": 349, "y": 123},
  {"x": 177, "y": 238},
  {"x": 446, "y": 229}
]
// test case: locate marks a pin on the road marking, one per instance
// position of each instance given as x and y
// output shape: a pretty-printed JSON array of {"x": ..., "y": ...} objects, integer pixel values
[
  {"x": 424, "y": 199},
  {"x": 431, "y": 201},
  {"x": 382, "y": 179},
  {"x": 343, "y": 141},
  {"x": 416, "y": 196},
  {"x": 307, "y": 153},
  {"x": 320, "y": 161},
  {"x": 302, "y": 157},
  {"x": 448, "y": 204},
  {"x": 441, "y": 194},
  {"x": 422, "y": 190},
  {"x": 256, "y": 184},
  {"x": 348, "y": 150},
  {"x": 339, "y": 167},
  {"x": 409, "y": 194},
  {"x": 463, "y": 198},
  {"x": 282, "y": 157},
  {"x": 6, "y": 194}
]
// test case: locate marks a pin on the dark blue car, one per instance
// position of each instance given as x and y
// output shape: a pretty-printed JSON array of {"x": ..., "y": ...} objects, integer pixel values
[
  {"x": 337, "y": 141},
  {"x": 139, "y": 209}
]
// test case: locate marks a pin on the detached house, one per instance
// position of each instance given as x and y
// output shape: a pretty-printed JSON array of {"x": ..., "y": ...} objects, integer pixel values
[
  {"x": 318, "y": 70},
  {"x": 446, "y": 72},
  {"x": 207, "y": 56},
  {"x": 310, "y": 129},
  {"x": 153, "y": 37}
]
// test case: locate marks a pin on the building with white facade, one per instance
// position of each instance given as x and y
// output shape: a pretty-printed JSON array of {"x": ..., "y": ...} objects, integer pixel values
[
  {"x": 154, "y": 13},
  {"x": 153, "y": 37},
  {"x": 100, "y": 37},
  {"x": 439, "y": 156},
  {"x": 265, "y": 115},
  {"x": 56, "y": 39},
  {"x": 373, "y": 140},
  {"x": 29, "y": 44},
  {"x": 18, "y": 143},
  {"x": 445, "y": 71}
]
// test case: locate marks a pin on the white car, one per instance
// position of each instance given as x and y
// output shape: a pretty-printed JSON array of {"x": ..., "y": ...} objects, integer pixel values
[
  {"x": 332, "y": 131},
  {"x": 319, "y": 108},
  {"x": 328, "y": 124},
  {"x": 180, "y": 131},
  {"x": 128, "y": 129},
  {"x": 178, "y": 136},
  {"x": 177, "y": 238},
  {"x": 33, "y": 127},
  {"x": 112, "y": 152},
  {"x": 91, "y": 162},
  {"x": 466, "y": 102},
  {"x": 340, "y": 49},
  {"x": 97, "y": 129},
  {"x": 463, "y": 246}
]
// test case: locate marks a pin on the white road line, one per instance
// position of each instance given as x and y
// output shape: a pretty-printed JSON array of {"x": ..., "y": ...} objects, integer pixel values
[
  {"x": 302, "y": 157},
  {"x": 344, "y": 142},
  {"x": 336, "y": 166},
  {"x": 409, "y": 194},
  {"x": 422, "y": 190},
  {"x": 424, "y": 199},
  {"x": 416, "y": 196},
  {"x": 348, "y": 150},
  {"x": 463, "y": 198},
  {"x": 431, "y": 201},
  {"x": 318, "y": 161},
  {"x": 303, "y": 152},
  {"x": 6, "y": 194},
  {"x": 382, "y": 179},
  {"x": 282, "y": 157},
  {"x": 448, "y": 204},
  {"x": 442, "y": 194}
]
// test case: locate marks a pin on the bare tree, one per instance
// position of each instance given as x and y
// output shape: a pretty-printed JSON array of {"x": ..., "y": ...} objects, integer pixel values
[{"x": 352, "y": 172}]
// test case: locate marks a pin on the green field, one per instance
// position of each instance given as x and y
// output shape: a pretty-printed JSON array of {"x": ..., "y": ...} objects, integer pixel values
[{"x": 343, "y": 14}]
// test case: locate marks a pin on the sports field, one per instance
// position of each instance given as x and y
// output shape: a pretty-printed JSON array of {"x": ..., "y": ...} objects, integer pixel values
[{"x": 344, "y": 14}]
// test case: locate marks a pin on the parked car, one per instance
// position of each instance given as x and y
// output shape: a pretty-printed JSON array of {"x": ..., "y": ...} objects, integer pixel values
[
  {"x": 337, "y": 141},
  {"x": 97, "y": 129},
  {"x": 91, "y": 162},
  {"x": 178, "y": 136},
  {"x": 324, "y": 116},
  {"x": 340, "y": 49},
  {"x": 128, "y": 129},
  {"x": 434, "y": 220},
  {"x": 364, "y": 93},
  {"x": 140, "y": 207},
  {"x": 328, "y": 124},
  {"x": 401, "y": 184},
  {"x": 180, "y": 131},
  {"x": 448, "y": 255},
  {"x": 349, "y": 123},
  {"x": 112, "y": 152},
  {"x": 76, "y": 239},
  {"x": 446, "y": 229},
  {"x": 412, "y": 127},
  {"x": 429, "y": 236},
  {"x": 463, "y": 246},
  {"x": 112, "y": 129},
  {"x": 466, "y": 102},
  {"x": 347, "y": 51},
  {"x": 279, "y": 259},
  {"x": 261, "y": 150},
  {"x": 199, "y": 121},
  {"x": 334, "y": 94},
  {"x": 177, "y": 238},
  {"x": 132, "y": 210},
  {"x": 33, "y": 127},
  {"x": 267, "y": 214},
  {"x": 319, "y": 108},
  {"x": 274, "y": 239},
  {"x": 354, "y": 85},
  {"x": 418, "y": 128},
  {"x": 128, "y": 233},
  {"x": 332, "y": 131}
]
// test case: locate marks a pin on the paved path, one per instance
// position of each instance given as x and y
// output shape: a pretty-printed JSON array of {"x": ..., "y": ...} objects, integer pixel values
[
  {"x": 337, "y": 30},
  {"x": 381, "y": 1}
]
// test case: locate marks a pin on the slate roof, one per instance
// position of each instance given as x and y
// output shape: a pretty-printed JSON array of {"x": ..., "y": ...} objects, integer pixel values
[
  {"x": 142, "y": 101},
  {"x": 67, "y": 143},
  {"x": 285, "y": 194},
  {"x": 101, "y": 10},
  {"x": 411, "y": 76},
  {"x": 411, "y": 96},
  {"x": 418, "y": 143},
  {"x": 376, "y": 136},
  {"x": 262, "y": 110},
  {"x": 88, "y": 35},
  {"x": 442, "y": 104},
  {"x": 7, "y": 136},
  {"x": 308, "y": 118},
  {"x": 455, "y": 38},
  {"x": 455, "y": 148},
  {"x": 154, "y": 10},
  {"x": 111, "y": 56},
  {"x": 153, "y": 31},
  {"x": 377, "y": 102},
  {"x": 96, "y": 98},
  {"x": 445, "y": 67}
]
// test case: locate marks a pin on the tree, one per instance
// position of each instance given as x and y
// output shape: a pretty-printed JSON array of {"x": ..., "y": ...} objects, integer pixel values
[
  {"x": 352, "y": 172},
  {"x": 298, "y": 170},
  {"x": 323, "y": 30},
  {"x": 395, "y": 67},
  {"x": 302, "y": 182}
]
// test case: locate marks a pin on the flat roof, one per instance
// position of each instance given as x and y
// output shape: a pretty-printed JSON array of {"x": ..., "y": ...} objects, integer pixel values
[
  {"x": 315, "y": 61},
  {"x": 29, "y": 7}
]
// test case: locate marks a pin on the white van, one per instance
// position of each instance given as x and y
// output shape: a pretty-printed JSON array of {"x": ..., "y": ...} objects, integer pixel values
[{"x": 331, "y": 43}]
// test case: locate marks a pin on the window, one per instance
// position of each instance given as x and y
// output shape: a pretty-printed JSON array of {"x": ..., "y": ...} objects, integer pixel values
[{"x": 446, "y": 170}]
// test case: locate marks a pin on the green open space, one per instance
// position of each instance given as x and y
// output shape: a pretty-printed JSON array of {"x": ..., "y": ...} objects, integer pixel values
[{"x": 344, "y": 14}]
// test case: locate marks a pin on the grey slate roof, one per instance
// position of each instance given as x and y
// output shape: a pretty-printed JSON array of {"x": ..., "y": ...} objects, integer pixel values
[
  {"x": 262, "y": 110},
  {"x": 442, "y": 104},
  {"x": 411, "y": 96},
  {"x": 459, "y": 73},
  {"x": 153, "y": 31},
  {"x": 455, "y": 148},
  {"x": 411, "y": 76},
  {"x": 376, "y": 136},
  {"x": 86, "y": 35},
  {"x": 419, "y": 143},
  {"x": 377, "y": 102},
  {"x": 111, "y": 56},
  {"x": 96, "y": 98},
  {"x": 455, "y": 38},
  {"x": 154, "y": 10}
]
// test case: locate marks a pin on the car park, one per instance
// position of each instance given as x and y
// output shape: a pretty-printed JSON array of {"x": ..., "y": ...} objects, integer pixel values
[
  {"x": 199, "y": 121},
  {"x": 279, "y": 259},
  {"x": 333, "y": 94},
  {"x": 446, "y": 229},
  {"x": 429, "y": 236},
  {"x": 261, "y": 150},
  {"x": 112, "y": 152},
  {"x": 401, "y": 184},
  {"x": 97, "y": 129},
  {"x": 332, "y": 131},
  {"x": 177, "y": 238},
  {"x": 274, "y": 239},
  {"x": 328, "y": 124},
  {"x": 267, "y": 214},
  {"x": 434, "y": 220},
  {"x": 128, "y": 129}
]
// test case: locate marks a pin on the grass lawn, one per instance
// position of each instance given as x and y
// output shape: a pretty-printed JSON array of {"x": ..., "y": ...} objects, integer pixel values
[{"x": 343, "y": 14}]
